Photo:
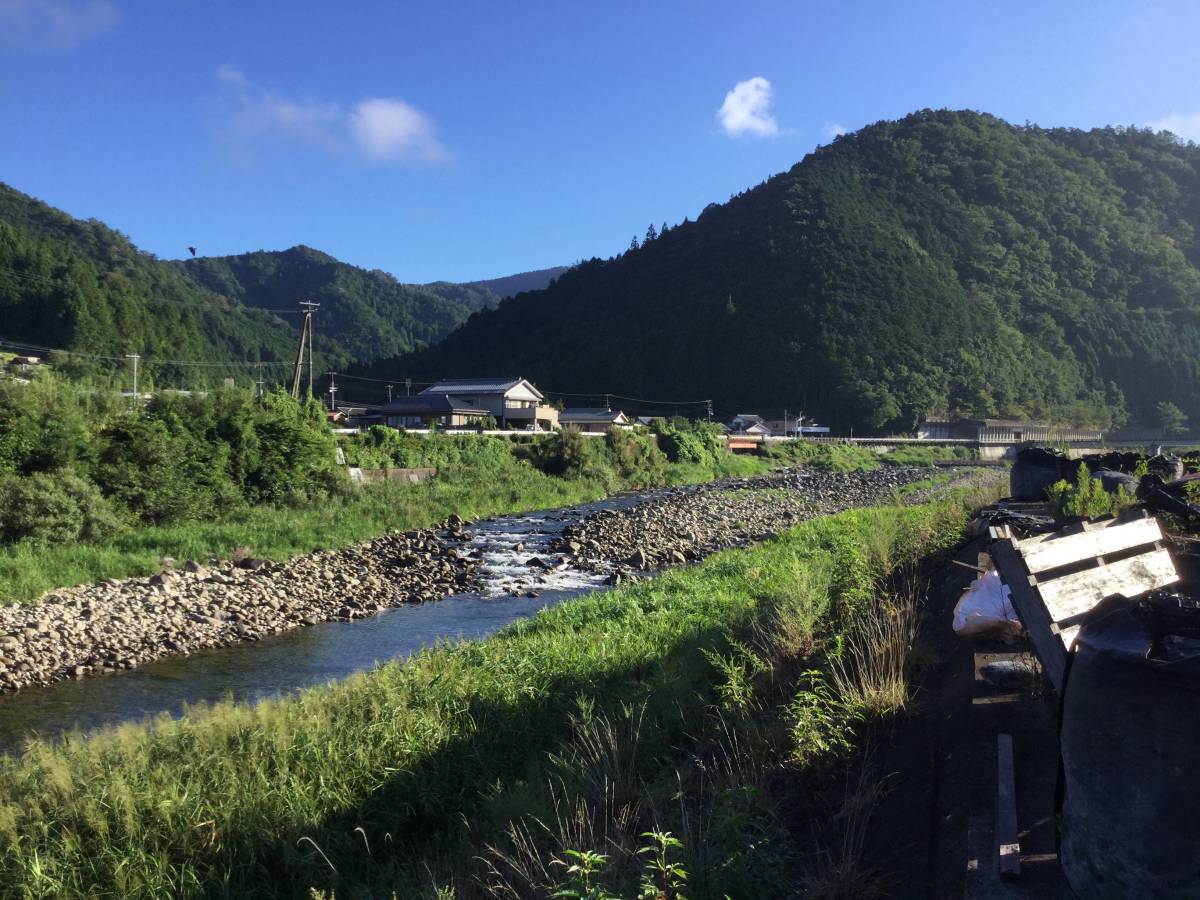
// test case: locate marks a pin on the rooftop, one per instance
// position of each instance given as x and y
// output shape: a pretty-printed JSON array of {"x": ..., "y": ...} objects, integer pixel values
[
  {"x": 477, "y": 386},
  {"x": 429, "y": 404}
]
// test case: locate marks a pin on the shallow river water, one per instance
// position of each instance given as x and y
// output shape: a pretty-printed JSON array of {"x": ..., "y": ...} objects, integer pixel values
[{"x": 307, "y": 656}]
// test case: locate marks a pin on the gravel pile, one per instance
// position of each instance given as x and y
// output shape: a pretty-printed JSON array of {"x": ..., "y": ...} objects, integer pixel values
[{"x": 120, "y": 624}]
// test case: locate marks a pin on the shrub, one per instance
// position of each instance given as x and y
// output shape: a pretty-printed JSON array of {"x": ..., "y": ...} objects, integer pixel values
[
  {"x": 58, "y": 507},
  {"x": 636, "y": 458},
  {"x": 1087, "y": 497},
  {"x": 830, "y": 457},
  {"x": 699, "y": 443}
]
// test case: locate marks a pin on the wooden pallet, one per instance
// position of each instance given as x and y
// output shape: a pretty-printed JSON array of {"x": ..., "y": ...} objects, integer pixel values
[{"x": 1056, "y": 579}]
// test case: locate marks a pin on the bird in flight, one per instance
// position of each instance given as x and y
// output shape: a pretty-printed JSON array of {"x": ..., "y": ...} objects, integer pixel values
[{"x": 193, "y": 250}]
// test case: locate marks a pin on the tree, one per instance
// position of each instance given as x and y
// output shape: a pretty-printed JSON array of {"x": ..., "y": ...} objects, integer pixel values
[
  {"x": 651, "y": 234},
  {"x": 1171, "y": 418},
  {"x": 633, "y": 244}
]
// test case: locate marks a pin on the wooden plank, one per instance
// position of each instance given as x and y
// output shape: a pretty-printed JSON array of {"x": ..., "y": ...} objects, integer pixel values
[
  {"x": 1071, "y": 595},
  {"x": 1006, "y": 808},
  {"x": 1062, "y": 551},
  {"x": 1033, "y": 613}
]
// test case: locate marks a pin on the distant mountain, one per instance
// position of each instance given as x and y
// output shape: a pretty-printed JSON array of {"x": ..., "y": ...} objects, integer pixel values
[
  {"x": 364, "y": 315},
  {"x": 948, "y": 261},
  {"x": 85, "y": 287},
  {"x": 508, "y": 286}
]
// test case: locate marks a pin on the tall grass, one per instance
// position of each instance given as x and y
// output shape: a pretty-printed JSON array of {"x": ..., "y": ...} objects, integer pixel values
[
  {"x": 28, "y": 570},
  {"x": 412, "y": 768}
]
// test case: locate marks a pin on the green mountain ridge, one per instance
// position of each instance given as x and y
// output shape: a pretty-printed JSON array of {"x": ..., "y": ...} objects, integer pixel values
[
  {"x": 84, "y": 287},
  {"x": 948, "y": 262}
]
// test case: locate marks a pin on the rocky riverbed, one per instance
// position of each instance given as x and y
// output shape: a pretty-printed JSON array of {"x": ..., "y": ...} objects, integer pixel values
[
  {"x": 691, "y": 523},
  {"x": 115, "y": 625}
]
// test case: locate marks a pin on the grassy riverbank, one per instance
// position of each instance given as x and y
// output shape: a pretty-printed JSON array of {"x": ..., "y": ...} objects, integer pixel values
[
  {"x": 432, "y": 777},
  {"x": 473, "y": 485}
]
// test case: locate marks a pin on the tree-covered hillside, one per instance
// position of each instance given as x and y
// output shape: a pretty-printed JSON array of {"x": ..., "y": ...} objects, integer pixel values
[
  {"x": 947, "y": 261},
  {"x": 82, "y": 286},
  {"x": 364, "y": 315}
]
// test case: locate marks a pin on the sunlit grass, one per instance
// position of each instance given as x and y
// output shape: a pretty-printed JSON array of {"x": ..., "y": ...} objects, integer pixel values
[{"x": 218, "y": 801}]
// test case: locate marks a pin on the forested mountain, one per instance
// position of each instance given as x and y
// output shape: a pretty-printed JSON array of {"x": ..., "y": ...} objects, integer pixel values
[
  {"x": 82, "y": 286},
  {"x": 364, "y": 315},
  {"x": 507, "y": 286},
  {"x": 948, "y": 261}
]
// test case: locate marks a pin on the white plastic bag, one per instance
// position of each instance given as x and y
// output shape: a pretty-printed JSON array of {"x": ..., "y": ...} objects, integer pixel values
[{"x": 985, "y": 610}]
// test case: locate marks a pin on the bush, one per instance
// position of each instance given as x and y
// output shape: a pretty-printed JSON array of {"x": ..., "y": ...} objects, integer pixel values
[
  {"x": 1087, "y": 497},
  {"x": 830, "y": 457},
  {"x": 699, "y": 443},
  {"x": 58, "y": 507},
  {"x": 636, "y": 458},
  {"x": 926, "y": 456}
]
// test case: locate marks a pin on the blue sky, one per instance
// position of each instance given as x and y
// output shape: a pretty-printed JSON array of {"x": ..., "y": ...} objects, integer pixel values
[{"x": 471, "y": 140}]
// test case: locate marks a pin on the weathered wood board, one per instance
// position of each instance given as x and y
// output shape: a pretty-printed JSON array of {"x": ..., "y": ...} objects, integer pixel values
[
  {"x": 1043, "y": 603},
  {"x": 1006, "y": 808},
  {"x": 1071, "y": 595},
  {"x": 1052, "y": 552},
  {"x": 1033, "y": 613}
]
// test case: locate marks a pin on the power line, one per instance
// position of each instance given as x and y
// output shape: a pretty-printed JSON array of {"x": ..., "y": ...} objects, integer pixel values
[
  {"x": 380, "y": 380},
  {"x": 18, "y": 345}
]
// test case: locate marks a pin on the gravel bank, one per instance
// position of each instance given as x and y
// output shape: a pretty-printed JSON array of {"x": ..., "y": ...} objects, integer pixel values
[
  {"x": 691, "y": 523},
  {"x": 117, "y": 625}
]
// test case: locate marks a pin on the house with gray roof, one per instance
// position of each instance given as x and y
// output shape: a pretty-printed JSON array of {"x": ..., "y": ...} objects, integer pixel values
[
  {"x": 513, "y": 402},
  {"x": 425, "y": 410}
]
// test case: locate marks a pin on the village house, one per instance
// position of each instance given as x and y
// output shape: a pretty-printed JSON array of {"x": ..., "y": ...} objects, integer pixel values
[
  {"x": 426, "y": 410},
  {"x": 749, "y": 423},
  {"x": 594, "y": 419},
  {"x": 512, "y": 402}
]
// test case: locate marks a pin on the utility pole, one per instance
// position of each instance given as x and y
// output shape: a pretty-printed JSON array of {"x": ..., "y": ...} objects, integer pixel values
[
  {"x": 407, "y": 387},
  {"x": 311, "y": 307},
  {"x": 133, "y": 357},
  {"x": 333, "y": 391},
  {"x": 389, "y": 389},
  {"x": 306, "y": 330},
  {"x": 708, "y": 410},
  {"x": 608, "y": 401},
  {"x": 261, "y": 389}
]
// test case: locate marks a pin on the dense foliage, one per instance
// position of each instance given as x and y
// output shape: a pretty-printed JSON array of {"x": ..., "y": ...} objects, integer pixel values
[
  {"x": 84, "y": 287},
  {"x": 76, "y": 464},
  {"x": 948, "y": 261}
]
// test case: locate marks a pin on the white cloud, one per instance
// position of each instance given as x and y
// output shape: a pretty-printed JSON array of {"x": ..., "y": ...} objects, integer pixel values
[
  {"x": 54, "y": 24},
  {"x": 1182, "y": 125},
  {"x": 391, "y": 129},
  {"x": 746, "y": 110},
  {"x": 382, "y": 129},
  {"x": 834, "y": 130}
]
